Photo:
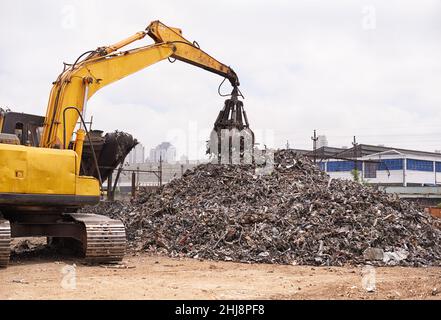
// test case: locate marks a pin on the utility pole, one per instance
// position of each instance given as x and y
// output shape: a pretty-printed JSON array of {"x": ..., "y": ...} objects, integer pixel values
[
  {"x": 133, "y": 184},
  {"x": 354, "y": 145},
  {"x": 287, "y": 144},
  {"x": 91, "y": 121},
  {"x": 314, "y": 145},
  {"x": 160, "y": 170}
]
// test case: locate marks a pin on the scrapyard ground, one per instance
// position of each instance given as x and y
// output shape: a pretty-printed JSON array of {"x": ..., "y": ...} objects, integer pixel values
[{"x": 147, "y": 276}]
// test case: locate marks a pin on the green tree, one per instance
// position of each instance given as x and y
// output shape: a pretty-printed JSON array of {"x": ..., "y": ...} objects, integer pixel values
[{"x": 356, "y": 175}]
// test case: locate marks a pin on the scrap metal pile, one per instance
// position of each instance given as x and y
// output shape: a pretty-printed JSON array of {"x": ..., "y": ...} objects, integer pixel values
[{"x": 295, "y": 215}]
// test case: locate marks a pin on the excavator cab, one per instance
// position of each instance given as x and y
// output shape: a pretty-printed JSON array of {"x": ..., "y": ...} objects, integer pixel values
[{"x": 26, "y": 128}]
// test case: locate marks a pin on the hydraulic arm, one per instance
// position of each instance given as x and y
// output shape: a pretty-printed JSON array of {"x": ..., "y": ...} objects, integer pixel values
[{"x": 79, "y": 81}]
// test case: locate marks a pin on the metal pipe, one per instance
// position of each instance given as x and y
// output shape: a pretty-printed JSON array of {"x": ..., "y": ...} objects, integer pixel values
[
  {"x": 125, "y": 42},
  {"x": 88, "y": 138},
  {"x": 86, "y": 94},
  {"x": 79, "y": 142}
]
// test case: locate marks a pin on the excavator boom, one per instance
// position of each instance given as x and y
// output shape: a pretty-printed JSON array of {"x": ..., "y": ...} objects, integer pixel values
[
  {"x": 105, "y": 65},
  {"x": 190, "y": 52}
]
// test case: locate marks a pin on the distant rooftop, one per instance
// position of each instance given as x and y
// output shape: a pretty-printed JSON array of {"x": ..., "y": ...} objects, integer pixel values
[
  {"x": 366, "y": 149},
  {"x": 300, "y": 151},
  {"x": 358, "y": 151}
]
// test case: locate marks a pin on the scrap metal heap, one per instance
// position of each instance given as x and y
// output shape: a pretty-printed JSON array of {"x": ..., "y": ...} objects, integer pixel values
[
  {"x": 232, "y": 140},
  {"x": 295, "y": 215}
]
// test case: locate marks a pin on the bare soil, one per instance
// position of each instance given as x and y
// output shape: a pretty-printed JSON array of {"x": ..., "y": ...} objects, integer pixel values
[{"x": 41, "y": 274}]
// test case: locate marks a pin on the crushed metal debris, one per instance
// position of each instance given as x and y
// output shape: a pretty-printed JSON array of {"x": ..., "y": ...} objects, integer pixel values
[{"x": 295, "y": 215}]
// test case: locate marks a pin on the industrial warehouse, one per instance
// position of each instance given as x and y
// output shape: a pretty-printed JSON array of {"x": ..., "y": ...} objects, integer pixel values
[
  {"x": 156, "y": 151},
  {"x": 382, "y": 165}
]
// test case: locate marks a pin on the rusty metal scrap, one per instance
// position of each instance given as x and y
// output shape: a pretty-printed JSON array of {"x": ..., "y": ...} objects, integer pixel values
[{"x": 296, "y": 215}]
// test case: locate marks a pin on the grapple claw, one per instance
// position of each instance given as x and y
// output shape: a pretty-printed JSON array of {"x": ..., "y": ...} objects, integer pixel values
[{"x": 232, "y": 140}]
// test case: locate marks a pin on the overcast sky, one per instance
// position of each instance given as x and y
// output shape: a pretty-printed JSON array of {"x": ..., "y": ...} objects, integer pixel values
[{"x": 347, "y": 67}]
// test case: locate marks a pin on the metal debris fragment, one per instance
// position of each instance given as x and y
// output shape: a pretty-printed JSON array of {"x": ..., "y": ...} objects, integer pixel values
[{"x": 373, "y": 254}]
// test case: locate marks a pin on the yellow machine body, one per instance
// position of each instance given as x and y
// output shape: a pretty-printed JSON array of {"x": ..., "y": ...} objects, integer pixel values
[{"x": 32, "y": 175}]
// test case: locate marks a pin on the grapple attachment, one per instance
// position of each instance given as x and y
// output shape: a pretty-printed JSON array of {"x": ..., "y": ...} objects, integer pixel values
[{"x": 232, "y": 140}]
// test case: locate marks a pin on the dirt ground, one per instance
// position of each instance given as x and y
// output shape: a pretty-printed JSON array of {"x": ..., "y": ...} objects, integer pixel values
[{"x": 43, "y": 275}]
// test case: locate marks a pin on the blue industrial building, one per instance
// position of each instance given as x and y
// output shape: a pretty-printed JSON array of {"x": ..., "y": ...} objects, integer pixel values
[{"x": 381, "y": 165}]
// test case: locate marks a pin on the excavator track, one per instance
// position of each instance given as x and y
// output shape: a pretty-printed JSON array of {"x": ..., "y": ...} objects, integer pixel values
[
  {"x": 104, "y": 240},
  {"x": 5, "y": 242}
]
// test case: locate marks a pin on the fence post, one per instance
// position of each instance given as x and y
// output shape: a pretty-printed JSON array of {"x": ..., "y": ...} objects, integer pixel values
[
  {"x": 160, "y": 171},
  {"x": 133, "y": 184}
]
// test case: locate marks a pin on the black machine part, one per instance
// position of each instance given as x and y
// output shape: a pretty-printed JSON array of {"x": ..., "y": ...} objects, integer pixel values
[
  {"x": 232, "y": 118},
  {"x": 110, "y": 149}
]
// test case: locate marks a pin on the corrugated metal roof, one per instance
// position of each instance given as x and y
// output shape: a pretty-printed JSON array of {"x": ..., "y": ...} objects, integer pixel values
[
  {"x": 366, "y": 149},
  {"x": 325, "y": 152},
  {"x": 359, "y": 151},
  {"x": 301, "y": 151}
]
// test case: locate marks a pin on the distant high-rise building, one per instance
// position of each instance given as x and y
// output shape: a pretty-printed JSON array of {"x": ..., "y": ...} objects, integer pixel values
[
  {"x": 322, "y": 141},
  {"x": 137, "y": 155},
  {"x": 165, "y": 151}
]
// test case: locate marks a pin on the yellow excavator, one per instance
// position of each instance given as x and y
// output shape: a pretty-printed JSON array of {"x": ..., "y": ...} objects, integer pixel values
[{"x": 43, "y": 181}]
